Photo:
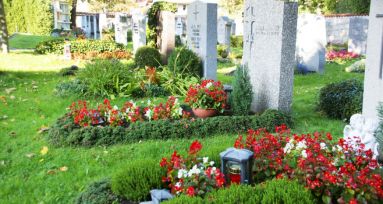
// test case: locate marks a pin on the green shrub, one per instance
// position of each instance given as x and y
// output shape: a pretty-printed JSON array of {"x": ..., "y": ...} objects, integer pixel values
[
  {"x": 135, "y": 180},
  {"x": 175, "y": 83},
  {"x": 284, "y": 191},
  {"x": 153, "y": 14},
  {"x": 184, "y": 199},
  {"x": 185, "y": 62},
  {"x": 236, "y": 41},
  {"x": 65, "y": 133},
  {"x": 73, "y": 87},
  {"x": 106, "y": 78},
  {"x": 242, "y": 94},
  {"x": 56, "y": 46},
  {"x": 353, "y": 6},
  {"x": 147, "y": 56},
  {"x": 69, "y": 71},
  {"x": 222, "y": 51},
  {"x": 341, "y": 100},
  {"x": 235, "y": 194},
  {"x": 50, "y": 46},
  {"x": 379, "y": 133},
  {"x": 272, "y": 118},
  {"x": 98, "y": 193}
]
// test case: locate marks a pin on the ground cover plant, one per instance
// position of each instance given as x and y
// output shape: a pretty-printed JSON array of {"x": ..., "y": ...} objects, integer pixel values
[{"x": 32, "y": 170}]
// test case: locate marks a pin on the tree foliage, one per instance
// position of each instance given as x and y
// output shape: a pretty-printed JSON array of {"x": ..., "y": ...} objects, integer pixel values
[
  {"x": 29, "y": 16},
  {"x": 3, "y": 30}
]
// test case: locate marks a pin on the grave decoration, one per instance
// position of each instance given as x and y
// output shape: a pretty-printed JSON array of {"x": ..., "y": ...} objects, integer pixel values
[{"x": 236, "y": 165}]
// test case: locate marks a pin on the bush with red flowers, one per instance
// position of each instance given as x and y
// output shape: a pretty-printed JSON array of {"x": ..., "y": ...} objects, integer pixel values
[
  {"x": 207, "y": 95},
  {"x": 191, "y": 175},
  {"x": 340, "y": 56},
  {"x": 336, "y": 172},
  {"x": 106, "y": 115}
]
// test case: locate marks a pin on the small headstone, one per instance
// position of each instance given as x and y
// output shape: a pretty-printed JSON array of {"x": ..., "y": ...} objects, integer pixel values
[
  {"x": 269, "y": 52},
  {"x": 224, "y": 30},
  {"x": 311, "y": 43},
  {"x": 373, "y": 80},
  {"x": 121, "y": 28},
  {"x": 357, "y": 35},
  {"x": 179, "y": 27},
  {"x": 67, "y": 52},
  {"x": 166, "y": 40},
  {"x": 233, "y": 27},
  {"x": 202, "y": 35},
  {"x": 139, "y": 31}
]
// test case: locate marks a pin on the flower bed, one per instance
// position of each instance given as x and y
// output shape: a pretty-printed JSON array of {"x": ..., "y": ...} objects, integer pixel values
[
  {"x": 336, "y": 172},
  {"x": 108, "y": 125},
  {"x": 340, "y": 56}
]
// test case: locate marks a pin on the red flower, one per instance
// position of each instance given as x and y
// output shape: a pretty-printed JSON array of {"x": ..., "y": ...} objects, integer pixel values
[
  {"x": 353, "y": 201},
  {"x": 190, "y": 191},
  {"x": 163, "y": 162},
  {"x": 195, "y": 147}
]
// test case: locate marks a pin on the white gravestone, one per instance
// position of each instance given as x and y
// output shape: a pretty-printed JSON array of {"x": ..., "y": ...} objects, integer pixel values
[
  {"x": 138, "y": 31},
  {"x": 311, "y": 43},
  {"x": 121, "y": 27},
  {"x": 224, "y": 30},
  {"x": 357, "y": 35},
  {"x": 202, "y": 35},
  {"x": 373, "y": 81},
  {"x": 179, "y": 27},
  {"x": 269, "y": 52}
]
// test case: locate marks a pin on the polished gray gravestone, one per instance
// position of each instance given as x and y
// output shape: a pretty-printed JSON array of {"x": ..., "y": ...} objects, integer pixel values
[
  {"x": 269, "y": 52},
  {"x": 357, "y": 35},
  {"x": 373, "y": 81},
  {"x": 166, "y": 40},
  {"x": 139, "y": 31},
  {"x": 224, "y": 30},
  {"x": 202, "y": 35},
  {"x": 311, "y": 43}
]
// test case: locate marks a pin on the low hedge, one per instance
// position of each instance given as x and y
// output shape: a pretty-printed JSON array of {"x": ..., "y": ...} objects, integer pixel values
[
  {"x": 99, "y": 192},
  {"x": 65, "y": 133},
  {"x": 56, "y": 46}
]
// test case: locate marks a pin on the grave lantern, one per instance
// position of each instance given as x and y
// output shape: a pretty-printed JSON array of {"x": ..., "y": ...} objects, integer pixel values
[{"x": 236, "y": 165}]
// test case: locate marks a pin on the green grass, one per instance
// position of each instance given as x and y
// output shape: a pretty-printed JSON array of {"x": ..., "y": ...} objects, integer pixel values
[
  {"x": 38, "y": 180},
  {"x": 22, "y": 41}
]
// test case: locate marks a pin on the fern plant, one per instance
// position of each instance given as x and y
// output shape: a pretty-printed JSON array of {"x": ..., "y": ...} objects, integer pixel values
[{"x": 242, "y": 94}]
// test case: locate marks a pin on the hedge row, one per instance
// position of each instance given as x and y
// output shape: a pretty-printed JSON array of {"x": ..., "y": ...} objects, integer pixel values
[
  {"x": 65, "y": 133},
  {"x": 56, "y": 46}
]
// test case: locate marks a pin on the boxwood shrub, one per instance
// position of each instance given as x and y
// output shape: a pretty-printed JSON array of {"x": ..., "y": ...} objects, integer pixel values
[
  {"x": 341, "y": 100},
  {"x": 185, "y": 62},
  {"x": 147, "y": 56},
  {"x": 135, "y": 181},
  {"x": 65, "y": 133}
]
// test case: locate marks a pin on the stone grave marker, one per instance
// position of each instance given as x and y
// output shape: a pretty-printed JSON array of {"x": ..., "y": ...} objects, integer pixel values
[
  {"x": 138, "y": 31},
  {"x": 269, "y": 52},
  {"x": 373, "y": 81},
  {"x": 179, "y": 27},
  {"x": 121, "y": 27},
  {"x": 166, "y": 34},
  {"x": 202, "y": 35},
  {"x": 311, "y": 43},
  {"x": 224, "y": 30},
  {"x": 357, "y": 35}
]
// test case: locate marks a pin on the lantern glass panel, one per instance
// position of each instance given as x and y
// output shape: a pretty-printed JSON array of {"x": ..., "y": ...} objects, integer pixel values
[{"x": 233, "y": 172}]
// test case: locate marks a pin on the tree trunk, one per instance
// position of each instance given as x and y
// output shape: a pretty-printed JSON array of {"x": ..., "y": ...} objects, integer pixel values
[
  {"x": 3, "y": 30},
  {"x": 73, "y": 14}
]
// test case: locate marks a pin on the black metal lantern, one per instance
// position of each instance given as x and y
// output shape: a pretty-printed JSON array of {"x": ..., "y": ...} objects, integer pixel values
[{"x": 236, "y": 165}]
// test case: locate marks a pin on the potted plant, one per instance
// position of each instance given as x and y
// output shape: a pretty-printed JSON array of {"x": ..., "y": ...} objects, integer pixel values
[{"x": 206, "y": 99}]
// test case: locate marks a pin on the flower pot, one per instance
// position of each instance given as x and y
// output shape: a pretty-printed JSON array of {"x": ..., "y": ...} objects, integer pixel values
[{"x": 204, "y": 113}]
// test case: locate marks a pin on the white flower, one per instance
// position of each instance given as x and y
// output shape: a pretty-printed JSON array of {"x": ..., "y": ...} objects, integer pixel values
[
  {"x": 289, "y": 146},
  {"x": 194, "y": 170},
  {"x": 208, "y": 85},
  {"x": 182, "y": 173},
  {"x": 301, "y": 145},
  {"x": 214, "y": 169},
  {"x": 304, "y": 154},
  {"x": 149, "y": 114},
  {"x": 212, "y": 163},
  {"x": 323, "y": 145},
  {"x": 115, "y": 107},
  {"x": 205, "y": 160},
  {"x": 149, "y": 102},
  {"x": 179, "y": 111}
]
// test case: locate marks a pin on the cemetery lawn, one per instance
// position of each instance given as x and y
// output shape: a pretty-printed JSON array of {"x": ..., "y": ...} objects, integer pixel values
[
  {"x": 23, "y": 41},
  {"x": 57, "y": 174}
]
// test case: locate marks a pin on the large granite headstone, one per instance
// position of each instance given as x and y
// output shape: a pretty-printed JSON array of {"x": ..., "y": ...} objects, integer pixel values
[
  {"x": 224, "y": 30},
  {"x": 202, "y": 35},
  {"x": 269, "y": 52},
  {"x": 373, "y": 80},
  {"x": 357, "y": 35},
  {"x": 121, "y": 26},
  {"x": 166, "y": 40},
  {"x": 139, "y": 31},
  {"x": 311, "y": 43}
]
